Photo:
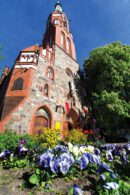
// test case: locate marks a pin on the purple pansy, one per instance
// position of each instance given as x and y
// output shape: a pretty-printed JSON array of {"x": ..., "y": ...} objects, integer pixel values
[
  {"x": 5, "y": 154},
  {"x": 97, "y": 151},
  {"x": 83, "y": 162},
  {"x": 77, "y": 190},
  {"x": 21, "y": 151},
  {"x": 111, "y": 186},
  {"x": 93, "y": 158},
  {"x": 54, "y": 165},
  {"x": 103, "y": 168},
  {"x": 103, "y": 177},
  {"x": 68, "y": 157},
  {"x": 109, "y": 155},
  {"x": 60, "y": 148},
  {"x": 45, "y": 159},
  {"x": 64, "y": 166},
  {"x": 22, "y": 141}
]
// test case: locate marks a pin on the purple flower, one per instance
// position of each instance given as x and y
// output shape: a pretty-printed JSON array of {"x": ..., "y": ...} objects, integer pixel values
[
  {"x": 103, "y": 177},
  {"x": 111, "y": 186},
  {"x": 103, "y": 168},
  {"x": 93, "y": 158},
  {"x": 68, "y": 157},
  {"x": 54, "y": 166},
  {"x": 94, "y": 121},
  {"x": 45, "y": 159},
  {"x": 60, "y": 148},
  {"x": 22, "y": 141},
  {"x": 108, "y": 147},
  {"x": 5, "y": 154},
  {"x": 109, "y": 155},
  {"x": 77, "y": 190},
  {"x": 127, "y": 147},
  {"x": 64, "y": 167},
  {"x": 112, "y": 175},
  {"x": 83, "y": 162},
  {"x": 21, "y": 151},
  {"x": 97, "y": 151},
  {"x": 124, "y": 158}
]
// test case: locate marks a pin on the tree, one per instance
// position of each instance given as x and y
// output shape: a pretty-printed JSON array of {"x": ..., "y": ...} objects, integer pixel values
[{"x": 108, "y": 80}]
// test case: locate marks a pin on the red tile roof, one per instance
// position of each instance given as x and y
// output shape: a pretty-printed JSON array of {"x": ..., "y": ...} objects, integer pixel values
[{"x": 32, "y": 48}]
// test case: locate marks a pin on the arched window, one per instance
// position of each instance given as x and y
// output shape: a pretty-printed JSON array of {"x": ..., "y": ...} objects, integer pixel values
[
  {"x": 46, "y": 90},
  {"x": 68, "y": 46},
  {"x": 62, "y": 40},
  {"x": 18, "y": 84},
  {"x": 69, "y": 72},
  {"x": 50, "y": 73}
]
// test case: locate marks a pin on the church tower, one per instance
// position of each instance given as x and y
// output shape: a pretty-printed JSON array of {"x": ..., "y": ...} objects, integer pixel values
[
  {"x": 40, "y": 89},
  {"x": 58, "y": 32}
]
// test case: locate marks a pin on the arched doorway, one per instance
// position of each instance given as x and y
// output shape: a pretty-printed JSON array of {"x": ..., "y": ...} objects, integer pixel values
[
  {"x": 42, "y": 119},
  {"x": 71, "y": 119},
  {"x": 67, "y": 125}
]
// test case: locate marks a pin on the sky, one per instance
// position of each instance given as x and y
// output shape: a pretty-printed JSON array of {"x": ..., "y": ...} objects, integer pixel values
[{"x": 93, "y": 23}]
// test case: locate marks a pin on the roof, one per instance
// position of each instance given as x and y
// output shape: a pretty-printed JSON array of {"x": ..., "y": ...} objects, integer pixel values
[{"x": 32, "y": 48}]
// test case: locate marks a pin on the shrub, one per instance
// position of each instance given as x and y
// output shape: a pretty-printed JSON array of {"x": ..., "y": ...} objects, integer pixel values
[
  {"x": 48, "y": 138},
  {"x": 10, "y": 140},
  {"x": 75, "y": 136}
]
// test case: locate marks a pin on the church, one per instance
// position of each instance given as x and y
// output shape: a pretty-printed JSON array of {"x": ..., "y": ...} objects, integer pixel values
[{"x": 40, "y": 91}]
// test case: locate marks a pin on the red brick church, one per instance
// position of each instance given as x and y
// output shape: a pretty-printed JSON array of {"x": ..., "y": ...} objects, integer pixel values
[{"x": 39, "y": 90}]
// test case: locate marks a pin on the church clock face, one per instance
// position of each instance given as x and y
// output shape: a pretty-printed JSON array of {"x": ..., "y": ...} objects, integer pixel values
[{"x": 56, "y": 22}]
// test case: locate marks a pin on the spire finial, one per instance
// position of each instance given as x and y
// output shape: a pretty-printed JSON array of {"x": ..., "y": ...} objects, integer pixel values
[{"x": 58, "y": 6}]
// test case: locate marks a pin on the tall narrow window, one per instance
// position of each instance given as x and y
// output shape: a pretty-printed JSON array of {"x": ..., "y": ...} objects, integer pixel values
[
  {"x": 62, "y": 40},
  {"x": 18, "y": 84},
  {"x": 68, "y": 47},
  {"x": 46, "y": 90},
  {"x": 50, "y": 73}
]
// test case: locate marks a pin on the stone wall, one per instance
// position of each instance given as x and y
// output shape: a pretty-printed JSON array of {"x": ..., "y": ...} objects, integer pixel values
[{"x": 21, "y": 120}]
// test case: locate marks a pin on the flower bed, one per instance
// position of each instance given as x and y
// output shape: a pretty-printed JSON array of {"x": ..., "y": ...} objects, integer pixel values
[{"x": 106, "y": 168}]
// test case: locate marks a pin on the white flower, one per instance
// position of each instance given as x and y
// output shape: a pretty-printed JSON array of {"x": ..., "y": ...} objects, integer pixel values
[
  {"x": 70, "y": 147},
  {"x": 90, "y": 149},
  {"x": 82, "y": 149},
  {"x": 76, "y": 150}
]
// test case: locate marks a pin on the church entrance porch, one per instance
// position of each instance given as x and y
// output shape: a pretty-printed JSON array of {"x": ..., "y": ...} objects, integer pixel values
[
  {"x": 42, "y": 119},
  {"x": 71, "y": 118}
]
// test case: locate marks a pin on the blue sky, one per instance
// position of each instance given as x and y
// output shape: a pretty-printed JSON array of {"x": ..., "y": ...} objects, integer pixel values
[{"x": 94, "y": 23}]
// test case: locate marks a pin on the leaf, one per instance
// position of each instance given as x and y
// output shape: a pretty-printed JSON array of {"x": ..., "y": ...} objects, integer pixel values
[
  {"x": 46, "y": 176},
  {"x": 71, "y": 191},
  {"x": 38, "y": 171},
  {"x": 34, "y": 179}
]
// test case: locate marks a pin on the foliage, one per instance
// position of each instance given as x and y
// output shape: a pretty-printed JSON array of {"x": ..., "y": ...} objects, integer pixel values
[
  {"x": 75, "y": 136},
  {"x": 10, "y": 140},
  {"x": 109, "y": 164},
  {"x": 108, "y": 81},
  {"x": 48, "y": 137}
]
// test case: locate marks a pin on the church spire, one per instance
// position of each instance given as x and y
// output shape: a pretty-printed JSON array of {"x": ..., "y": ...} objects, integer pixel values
[
  {"x": 58, "y": 7},
  {"x": 58, "y": 32}
]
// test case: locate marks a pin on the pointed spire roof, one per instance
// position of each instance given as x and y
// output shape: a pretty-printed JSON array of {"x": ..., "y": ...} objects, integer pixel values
[
  {"x": 31, "y": 48},
  {"x": 58, "y": 7}
]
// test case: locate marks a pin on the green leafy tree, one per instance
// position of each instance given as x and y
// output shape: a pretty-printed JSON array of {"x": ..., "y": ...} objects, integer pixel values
[{"x": 108, "y": 85}]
